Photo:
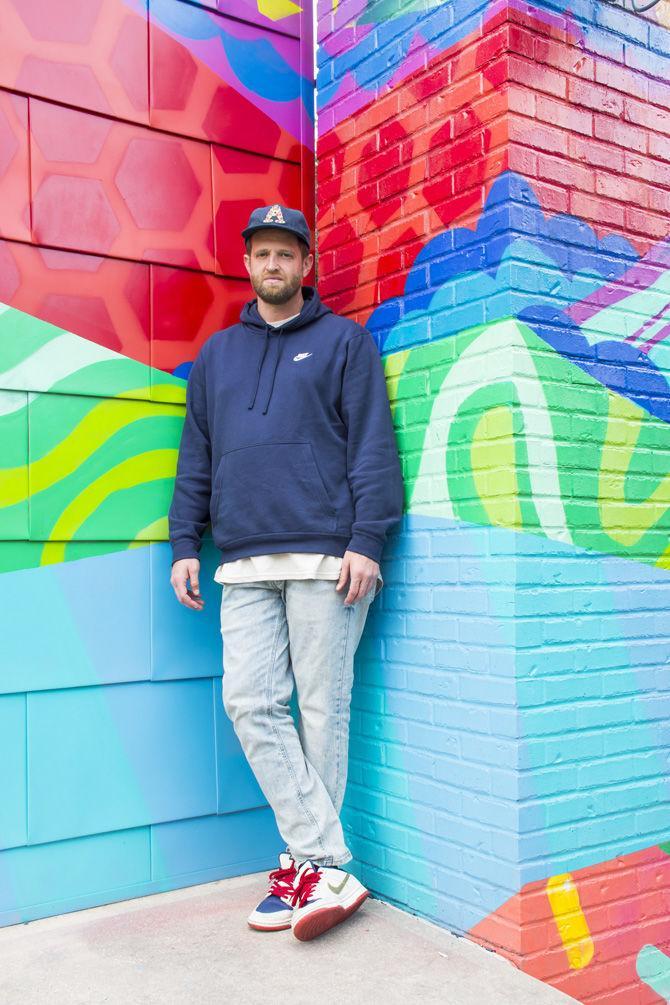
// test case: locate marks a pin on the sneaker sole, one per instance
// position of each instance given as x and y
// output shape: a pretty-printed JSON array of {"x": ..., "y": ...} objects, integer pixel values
[
  {"x": 320, "y": 921},
  {"x": 269, "y": 928}
]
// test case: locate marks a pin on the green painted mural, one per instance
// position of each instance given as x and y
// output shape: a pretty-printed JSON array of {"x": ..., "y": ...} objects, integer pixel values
[
  {"x": 497, "y": 428},
  {"x": 90, "y": 446}
]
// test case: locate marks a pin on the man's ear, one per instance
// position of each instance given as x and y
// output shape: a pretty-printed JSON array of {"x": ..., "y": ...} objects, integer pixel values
[
  {"x": 307, "y": 264},
  {"x": 247, "y": 263}
]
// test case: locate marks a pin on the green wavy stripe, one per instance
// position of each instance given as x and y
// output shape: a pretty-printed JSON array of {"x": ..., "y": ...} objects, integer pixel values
[
  {"x": 36, "y": 355},
  {"x": 589, "y": 467},
  {"x": 103, "y": 421},
  {"x": 145, "y": 435}
]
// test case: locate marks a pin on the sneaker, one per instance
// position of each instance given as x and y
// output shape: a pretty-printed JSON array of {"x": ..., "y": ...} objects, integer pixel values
[
  {"x": 276, "y": 909},
  {"x": 323, "y": 896}
]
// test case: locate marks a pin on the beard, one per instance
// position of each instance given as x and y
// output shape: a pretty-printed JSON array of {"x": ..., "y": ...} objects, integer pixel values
[{"x": 276, "y": 293}]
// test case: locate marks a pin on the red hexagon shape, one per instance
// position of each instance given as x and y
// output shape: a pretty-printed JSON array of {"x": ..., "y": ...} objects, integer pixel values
[
  {"x": 158, "y": 184},
  {"x": 65, "y": 21},
  {"x": 173, "y": 72},
  {"x": 66, "y": 135},
  {"x": 232, "y": 118},
  {"x": 74, "y": 213},
  {"x": 129, "y": 61},
  {"x": 181, "y": 300},
  {"x": 86, "y": 316}
]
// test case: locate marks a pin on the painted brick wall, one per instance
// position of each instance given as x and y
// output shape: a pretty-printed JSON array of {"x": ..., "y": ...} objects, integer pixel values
[
  {"x": 135, "y": 139},
  {"x": 493, "y": 186}
]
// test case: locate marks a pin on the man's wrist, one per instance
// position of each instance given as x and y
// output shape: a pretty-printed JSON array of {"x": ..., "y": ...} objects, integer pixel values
[{"x": 363, "y": 544}]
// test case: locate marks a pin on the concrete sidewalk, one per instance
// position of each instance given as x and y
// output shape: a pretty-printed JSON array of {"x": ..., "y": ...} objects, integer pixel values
[{"x": 194, "y": 946}]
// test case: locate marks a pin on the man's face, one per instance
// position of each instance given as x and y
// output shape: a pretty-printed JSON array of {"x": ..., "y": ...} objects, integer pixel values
[{"x": 276, "y": 266}]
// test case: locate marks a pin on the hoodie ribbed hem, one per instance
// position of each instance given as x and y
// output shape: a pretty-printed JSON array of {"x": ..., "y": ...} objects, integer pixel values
[{"x": 321, "y": 544}]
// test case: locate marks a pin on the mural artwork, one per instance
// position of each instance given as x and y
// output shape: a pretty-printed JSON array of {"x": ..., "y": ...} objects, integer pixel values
[
  {"x": 134, "y": 139},
  {"x": 493, "y": 203}
]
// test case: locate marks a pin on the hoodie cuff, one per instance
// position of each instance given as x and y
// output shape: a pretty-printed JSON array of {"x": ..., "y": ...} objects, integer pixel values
[
  {"x": 184, "y": 549},
  {"x": 371, "y": 547}
]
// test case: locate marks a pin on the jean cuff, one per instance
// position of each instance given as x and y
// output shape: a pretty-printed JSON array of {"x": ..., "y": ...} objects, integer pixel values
[{"x": 329, "y": 861}]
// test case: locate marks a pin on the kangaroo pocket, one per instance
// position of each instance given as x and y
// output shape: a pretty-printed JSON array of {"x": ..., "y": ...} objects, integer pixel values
[{"x": 270, "y": 490}]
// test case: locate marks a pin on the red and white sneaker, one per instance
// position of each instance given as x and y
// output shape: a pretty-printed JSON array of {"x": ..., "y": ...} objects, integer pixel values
[
  {"x": 276, "y": 909},
  {"x": 323, "y": 896}
]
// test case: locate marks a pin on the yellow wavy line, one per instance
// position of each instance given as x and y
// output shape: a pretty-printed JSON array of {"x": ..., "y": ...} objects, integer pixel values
[
  {"x": 157, "y": 530},
  {"x": 170, "y": 393},
  {"x": 626, "y": 522},
  {"x": 570, "y": 921},
  {"x": 393, "y": 369},
  {"x": 88, "y": 435},
  {"x": 133, "y": 471}
]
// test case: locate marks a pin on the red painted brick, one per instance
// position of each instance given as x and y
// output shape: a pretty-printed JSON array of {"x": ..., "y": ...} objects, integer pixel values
[
  {"x": 595, "y": 153},
  {"x": 659, "y": 146},
  {"x": 649, "y": 116},
  {"x": 645, "y": 223},
  {"x": 620, "y": 133},
  {"x": 617, "y": 77},
  {"x": 600, "y": 99},
  {"x": 596, "y": 210},
  {"x": 561, "y": 114},
  {"x": 557, "y": 169},
  {"x": 540, "y": 137},
  {"x": 616, "y": 186}
]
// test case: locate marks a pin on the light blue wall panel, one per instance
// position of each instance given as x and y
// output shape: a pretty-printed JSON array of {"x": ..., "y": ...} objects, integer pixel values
[
  {"x": 68, "y": 875},
  {"x": 236, "y": 843},
  {"x": 12, "y": 770},
  {"x": 236, "y": 783},
  {"x": 76, "y": 623},
  {"x": 185, "y": 643},
  {"x": 119, "y": 756}
]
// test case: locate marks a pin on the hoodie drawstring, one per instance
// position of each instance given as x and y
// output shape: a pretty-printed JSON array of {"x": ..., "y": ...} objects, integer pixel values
[
  {"x": 260, "y": 367},
  {"x": 274, "y": 373}
]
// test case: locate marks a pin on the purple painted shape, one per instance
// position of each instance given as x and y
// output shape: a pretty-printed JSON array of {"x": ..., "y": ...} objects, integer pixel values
[
  {"x": 289, "y": 115},
  {"x": 638, "y": 277},
  {"x": 247, "y": 10},
  {"x": 655, "y": 339}
]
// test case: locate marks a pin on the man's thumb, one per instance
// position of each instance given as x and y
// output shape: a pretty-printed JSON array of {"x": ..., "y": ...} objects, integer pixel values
[{"x": 344, "y": 573}]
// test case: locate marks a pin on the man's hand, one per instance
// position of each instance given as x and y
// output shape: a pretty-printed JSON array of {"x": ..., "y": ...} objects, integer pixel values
[
  {"x": 363, "y": 573},
  {"x": 182, "y": 571}
]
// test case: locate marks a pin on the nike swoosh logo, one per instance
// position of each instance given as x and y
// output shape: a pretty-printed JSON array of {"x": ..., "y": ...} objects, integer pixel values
[
  {"x": 338, "y": 889},
  {"x": 301, "y": 355}
]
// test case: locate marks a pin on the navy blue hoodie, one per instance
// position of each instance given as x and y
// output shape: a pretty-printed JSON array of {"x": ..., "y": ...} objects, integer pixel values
[{"x": 288, "y": 442}]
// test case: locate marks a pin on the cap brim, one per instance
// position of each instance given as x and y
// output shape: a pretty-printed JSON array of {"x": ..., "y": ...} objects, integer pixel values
[{"x": 248, "y": 231}]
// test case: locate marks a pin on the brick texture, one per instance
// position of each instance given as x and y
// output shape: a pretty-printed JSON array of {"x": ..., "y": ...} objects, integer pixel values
[{"x": 492, "y": 203}]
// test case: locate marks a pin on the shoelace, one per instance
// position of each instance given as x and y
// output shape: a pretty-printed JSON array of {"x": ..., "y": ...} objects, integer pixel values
[
  {"x": 281, "y": 882},
  {"x": 303, "y": 891}
]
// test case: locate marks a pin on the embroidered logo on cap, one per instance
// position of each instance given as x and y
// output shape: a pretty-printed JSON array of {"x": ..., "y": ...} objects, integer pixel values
[{"x": 274, "y": 215}]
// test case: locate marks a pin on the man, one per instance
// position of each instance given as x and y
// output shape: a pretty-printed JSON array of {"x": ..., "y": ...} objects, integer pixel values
[{"x": 288, "y": 447}]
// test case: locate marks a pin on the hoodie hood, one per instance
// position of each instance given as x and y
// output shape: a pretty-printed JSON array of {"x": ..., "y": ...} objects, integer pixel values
[{"x": 312, "y": 310}]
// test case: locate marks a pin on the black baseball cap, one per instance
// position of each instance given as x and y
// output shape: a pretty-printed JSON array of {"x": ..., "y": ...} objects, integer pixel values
[{"x": 278, "y": 217}]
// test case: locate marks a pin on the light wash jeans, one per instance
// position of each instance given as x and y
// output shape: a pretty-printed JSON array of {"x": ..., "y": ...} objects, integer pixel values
[{"x": 275, "y": 633}]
